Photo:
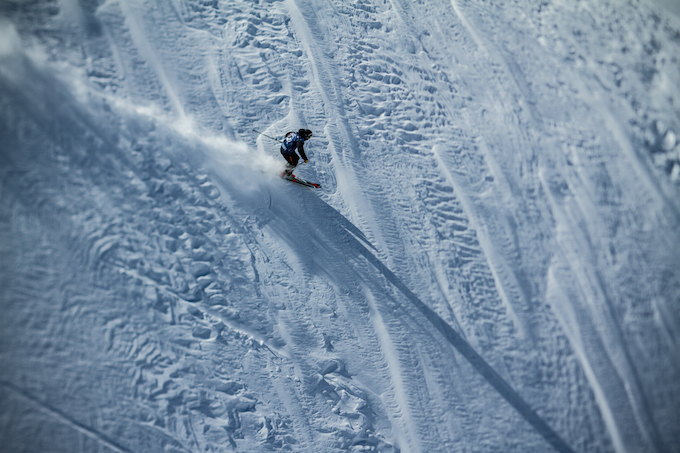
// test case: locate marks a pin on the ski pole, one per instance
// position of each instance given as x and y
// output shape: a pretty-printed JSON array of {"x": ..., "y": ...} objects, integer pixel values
[{"x": 261, "y": 133}]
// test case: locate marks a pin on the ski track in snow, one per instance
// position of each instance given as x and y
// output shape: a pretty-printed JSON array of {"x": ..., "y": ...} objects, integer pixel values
[{"x": 491, "y": 264}]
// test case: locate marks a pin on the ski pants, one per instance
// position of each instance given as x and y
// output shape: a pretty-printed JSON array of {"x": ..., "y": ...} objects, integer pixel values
[{"x": 292, "y": 159}]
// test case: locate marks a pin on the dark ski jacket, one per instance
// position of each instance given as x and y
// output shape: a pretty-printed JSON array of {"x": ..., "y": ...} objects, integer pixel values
[{"x": 293, "y": 142}]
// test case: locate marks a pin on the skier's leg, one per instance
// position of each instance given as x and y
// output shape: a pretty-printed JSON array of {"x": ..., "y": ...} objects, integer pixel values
[
  {"x": 289, "y": 165},
  {"x": 292, "y": 160},
  {"x": 288, "y": 171}
]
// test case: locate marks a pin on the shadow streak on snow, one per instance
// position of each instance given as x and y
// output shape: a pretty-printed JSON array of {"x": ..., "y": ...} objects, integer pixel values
[
  {"x": 476, "y": 360},
  {"x": 310, "y": 222}
]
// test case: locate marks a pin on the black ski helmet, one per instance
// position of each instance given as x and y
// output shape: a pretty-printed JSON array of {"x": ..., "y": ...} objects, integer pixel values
[{"x": 306, "y": 134}]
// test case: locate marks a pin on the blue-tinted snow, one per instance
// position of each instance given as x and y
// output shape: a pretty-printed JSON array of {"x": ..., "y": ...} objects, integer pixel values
[{"x": 492, "y": 263}]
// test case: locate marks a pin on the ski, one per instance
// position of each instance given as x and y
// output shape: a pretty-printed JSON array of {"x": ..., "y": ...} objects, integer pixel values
[{"x": 302, "y": 181}]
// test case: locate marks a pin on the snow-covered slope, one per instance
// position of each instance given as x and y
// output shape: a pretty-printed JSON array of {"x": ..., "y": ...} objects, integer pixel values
[{"x": 492, "y": 263}]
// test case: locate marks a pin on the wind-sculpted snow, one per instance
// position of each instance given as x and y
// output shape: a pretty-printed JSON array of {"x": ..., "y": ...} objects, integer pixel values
[{"x": 491, "y": 264}]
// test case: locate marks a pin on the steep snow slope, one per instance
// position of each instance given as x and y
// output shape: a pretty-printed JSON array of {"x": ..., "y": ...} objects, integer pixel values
[{"x": 491, "y": 266}]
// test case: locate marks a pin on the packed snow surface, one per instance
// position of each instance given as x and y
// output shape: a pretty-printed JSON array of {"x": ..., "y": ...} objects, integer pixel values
[{"x": 492, "y": 263}]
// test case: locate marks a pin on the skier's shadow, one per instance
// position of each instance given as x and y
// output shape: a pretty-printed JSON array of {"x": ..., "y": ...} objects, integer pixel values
[{"x": 303, "y": 220}]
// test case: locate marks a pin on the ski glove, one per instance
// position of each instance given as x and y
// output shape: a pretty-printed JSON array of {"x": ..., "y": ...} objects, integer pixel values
[{"x": 306, "y": 160}]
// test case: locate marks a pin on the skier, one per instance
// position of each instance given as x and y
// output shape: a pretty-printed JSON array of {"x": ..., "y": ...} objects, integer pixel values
[{"x": 293, "y": 142}]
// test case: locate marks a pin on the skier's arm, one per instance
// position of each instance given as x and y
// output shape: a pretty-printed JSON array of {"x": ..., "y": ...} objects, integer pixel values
[{"x": 301, "y": 151}]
